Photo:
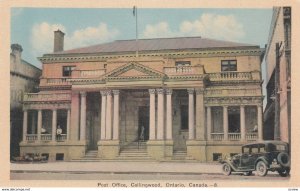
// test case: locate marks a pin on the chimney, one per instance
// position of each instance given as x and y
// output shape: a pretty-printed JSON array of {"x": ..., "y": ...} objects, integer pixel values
[
  {"x": 16, "y": 50},
  {"x": 58, "y": 41}
]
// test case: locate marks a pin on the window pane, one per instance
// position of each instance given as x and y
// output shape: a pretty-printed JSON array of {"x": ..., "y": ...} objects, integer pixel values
[{"x": 228, "y": 65}]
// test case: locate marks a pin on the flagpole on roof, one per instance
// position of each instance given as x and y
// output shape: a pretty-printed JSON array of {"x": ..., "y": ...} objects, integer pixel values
[{"x": 135, "y": 14}]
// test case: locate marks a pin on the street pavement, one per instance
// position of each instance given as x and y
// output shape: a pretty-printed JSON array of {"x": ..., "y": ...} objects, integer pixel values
[
  {"x": 113, "y": 170},
  {"x": 119, "y": 167}
]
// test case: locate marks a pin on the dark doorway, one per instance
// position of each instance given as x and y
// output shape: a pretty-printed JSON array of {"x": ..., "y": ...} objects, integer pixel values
[
  {"x": 93, "y": 120},
  {"x": 143, "y": 130},
  {"x": 234, "y": 120}
]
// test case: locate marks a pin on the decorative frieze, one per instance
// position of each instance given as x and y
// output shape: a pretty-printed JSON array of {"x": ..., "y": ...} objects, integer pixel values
[
  {"x": 232, "y": 92},
  {"x": 217, "y": 101},
  {"x": 46, "y": 105},
  {"x": 47, "y": 97}
]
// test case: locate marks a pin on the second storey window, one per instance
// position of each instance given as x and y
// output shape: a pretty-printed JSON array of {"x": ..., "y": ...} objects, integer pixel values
[
  {"x": 182, "y": 63},
  {"x": 67, "y": 70},
  {"x": 228, "y": 65}
]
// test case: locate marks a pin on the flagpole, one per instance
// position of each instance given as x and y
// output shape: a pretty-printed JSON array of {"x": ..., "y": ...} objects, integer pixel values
[{"x": 136, "y": 33}]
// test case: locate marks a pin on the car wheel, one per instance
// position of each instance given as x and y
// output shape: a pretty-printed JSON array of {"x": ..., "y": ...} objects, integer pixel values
[
  {"x": 284, "y": 172},
  {"x": 249, "y": 173},
  {"x": 226, "y": 169},
  {"x": 261, "y": 168}
]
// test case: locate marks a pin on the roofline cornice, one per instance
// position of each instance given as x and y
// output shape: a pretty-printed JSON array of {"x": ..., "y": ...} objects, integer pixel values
[{"x": 254, "y": 51}]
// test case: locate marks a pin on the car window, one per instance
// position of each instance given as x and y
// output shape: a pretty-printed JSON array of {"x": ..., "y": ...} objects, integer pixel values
[
  {"x": 254, "y": 150},
  {"x": 280, "y": 147},
  {"x": 261, "y": 148},
  {"x": 246, "y": 150}
]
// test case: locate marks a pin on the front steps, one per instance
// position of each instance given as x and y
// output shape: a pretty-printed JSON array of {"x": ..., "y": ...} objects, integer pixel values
[{"x": 134, "y": 152}]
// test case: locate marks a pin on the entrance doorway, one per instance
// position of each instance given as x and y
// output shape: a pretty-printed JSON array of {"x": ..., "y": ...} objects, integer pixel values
[
  {"x": 93, "y": 120},
  {"x": 143, "y": 129}
]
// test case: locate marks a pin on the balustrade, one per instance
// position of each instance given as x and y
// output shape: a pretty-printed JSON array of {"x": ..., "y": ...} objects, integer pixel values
[
  {"x": 230, "y": 76},
  {"x": 217, "y": 136},
  {"x": 46, "y": 137},
  {"x": 251, "y": 136},
  {"x": 31, "y": 137},
  {"x": 234, "y": 136},
  {"x": 181, "y": 70},
  {"x": 62, "y": 137}
]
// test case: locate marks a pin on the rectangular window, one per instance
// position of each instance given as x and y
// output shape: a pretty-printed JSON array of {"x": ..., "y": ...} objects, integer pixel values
[
  {"x": 182, "y": 63},
  {"x": 228, "y": 65},
  {"x": 67, "y": 70}
]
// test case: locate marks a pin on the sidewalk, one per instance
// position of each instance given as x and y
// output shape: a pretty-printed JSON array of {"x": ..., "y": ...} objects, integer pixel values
[{"x": 119, "y": 167}]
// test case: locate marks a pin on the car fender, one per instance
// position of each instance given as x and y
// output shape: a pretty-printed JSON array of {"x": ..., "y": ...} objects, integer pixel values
[
  {"x": 230, "y": 164},
  {"x": 261, "y": 159}
]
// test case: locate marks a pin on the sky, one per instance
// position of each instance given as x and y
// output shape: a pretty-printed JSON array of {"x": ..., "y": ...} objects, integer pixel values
[{"x": 33, "y": 28}]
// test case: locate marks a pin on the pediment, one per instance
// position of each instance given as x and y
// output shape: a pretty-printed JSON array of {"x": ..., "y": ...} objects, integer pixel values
[{"x": 134, "y": 70}]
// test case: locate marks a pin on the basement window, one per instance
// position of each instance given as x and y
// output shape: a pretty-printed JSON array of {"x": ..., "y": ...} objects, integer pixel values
[
  {"x": 217, "y": 156},
  {"x": 59, "y": 156},
  {"x": 228, "y": 65}
]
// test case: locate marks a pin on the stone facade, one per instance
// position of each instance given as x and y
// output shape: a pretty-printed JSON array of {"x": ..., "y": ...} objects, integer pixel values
[
  {"x": 24, "y": 78},
  {"x": 171, "y": 100},
  {"x": 277, "y": 115}
]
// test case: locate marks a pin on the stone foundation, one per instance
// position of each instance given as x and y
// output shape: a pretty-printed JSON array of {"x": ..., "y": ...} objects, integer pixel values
[
  {"x": 108, "y": 149},
  {"x": 160, "y": 150},
  {"x": 69, "y": 150}
]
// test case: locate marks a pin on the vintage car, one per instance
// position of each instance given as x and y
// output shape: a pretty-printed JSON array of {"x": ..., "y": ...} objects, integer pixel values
[{"x": 260, "y": 157}]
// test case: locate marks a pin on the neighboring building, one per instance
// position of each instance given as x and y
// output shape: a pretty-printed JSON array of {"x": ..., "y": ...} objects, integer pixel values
[
  {"x": 24, "y": 78},
  {"x": 181, "y": 98},
  {"x": 277, "y": 114}
]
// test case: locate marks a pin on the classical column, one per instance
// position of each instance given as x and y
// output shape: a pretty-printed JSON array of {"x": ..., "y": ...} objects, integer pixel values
[
  {"x": 75, "y": 116},
  {"x": 152, "y": 115},
  {"x": 103, "y": 114},
  {"x": 25, "y": 122},
  {"x": 82, "y": 116},
  {"x": 243, "y": 123},
  {"x": 116, "y": 115},
  {"x": 160, "y": 114},
  {"x": 200, "y": 114},
  {"x": 191, "y": 114},
  {"x": 68, "y": 123},
  {"x": 169, "y": 114},
  {"x": 225, "y": 122},
  {"x": 259, "y": 122},
  {"x": 39, "y": 125},
  {"x": 54, "y": 124},
  {"x": 208, "y": 122},
  {"x": 108, "y": 135}
]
